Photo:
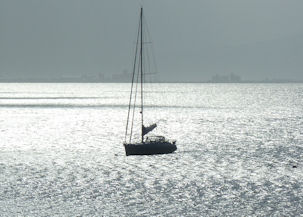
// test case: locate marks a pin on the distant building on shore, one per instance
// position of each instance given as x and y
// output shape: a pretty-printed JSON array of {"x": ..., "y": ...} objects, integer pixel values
[
  {"x": 121, "y": 77},
  {"x": 231, "y": 78}
]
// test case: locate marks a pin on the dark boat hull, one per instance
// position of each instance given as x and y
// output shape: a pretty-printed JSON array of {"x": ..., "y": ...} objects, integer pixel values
[{"x": 150, "y": 148}]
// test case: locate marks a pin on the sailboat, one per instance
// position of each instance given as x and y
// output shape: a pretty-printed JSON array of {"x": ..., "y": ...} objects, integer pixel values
[{"x": 151, "y": 145}]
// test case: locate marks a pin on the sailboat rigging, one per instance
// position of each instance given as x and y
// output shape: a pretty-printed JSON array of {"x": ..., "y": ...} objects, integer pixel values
[{"x": 151, "y": 145}]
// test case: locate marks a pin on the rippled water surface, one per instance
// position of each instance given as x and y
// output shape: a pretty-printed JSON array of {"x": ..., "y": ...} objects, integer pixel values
[{"x": 240, "y": 151}]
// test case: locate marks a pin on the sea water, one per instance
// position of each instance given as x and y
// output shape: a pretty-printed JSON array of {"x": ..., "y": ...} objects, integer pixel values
[{"x": 240, "y": 151}]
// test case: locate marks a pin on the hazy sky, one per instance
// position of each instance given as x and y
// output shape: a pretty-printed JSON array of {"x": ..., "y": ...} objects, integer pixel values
[{"x": 193, "y": 40}]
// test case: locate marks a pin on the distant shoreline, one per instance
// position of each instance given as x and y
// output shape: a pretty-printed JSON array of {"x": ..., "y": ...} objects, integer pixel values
[{"x": 189, "y": 82}]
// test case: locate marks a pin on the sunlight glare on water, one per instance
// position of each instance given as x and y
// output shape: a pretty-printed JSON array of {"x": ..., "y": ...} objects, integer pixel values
[{"x": 239, "y": 151}]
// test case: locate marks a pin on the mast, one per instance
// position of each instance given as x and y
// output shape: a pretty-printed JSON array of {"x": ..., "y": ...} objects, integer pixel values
[
  {"x": 131, "y": 90},
  {"x": 141, "y": 71}
]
